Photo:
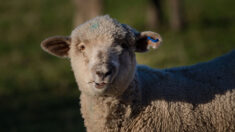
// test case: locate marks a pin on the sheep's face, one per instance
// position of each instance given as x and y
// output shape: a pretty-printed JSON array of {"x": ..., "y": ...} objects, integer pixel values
[
  {"x": 102, "y": 66},
  {"x": 102, "y": 56}
]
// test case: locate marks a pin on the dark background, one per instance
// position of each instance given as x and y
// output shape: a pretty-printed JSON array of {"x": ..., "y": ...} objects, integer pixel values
[{"x": 38, "y": 92}]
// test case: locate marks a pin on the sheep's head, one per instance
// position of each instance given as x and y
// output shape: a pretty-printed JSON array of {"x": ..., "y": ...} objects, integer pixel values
[{"x": 102, "y": 54}]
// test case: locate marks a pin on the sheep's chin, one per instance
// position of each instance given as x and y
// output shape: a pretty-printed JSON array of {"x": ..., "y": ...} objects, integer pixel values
[{"x": 107, "y": 91}]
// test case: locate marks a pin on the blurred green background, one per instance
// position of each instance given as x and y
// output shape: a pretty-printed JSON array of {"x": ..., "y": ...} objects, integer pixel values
[{"x": 38, "y": 91}]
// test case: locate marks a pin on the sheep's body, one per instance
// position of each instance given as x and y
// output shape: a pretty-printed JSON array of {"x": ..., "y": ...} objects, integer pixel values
[{"x": 193, "y": 98}]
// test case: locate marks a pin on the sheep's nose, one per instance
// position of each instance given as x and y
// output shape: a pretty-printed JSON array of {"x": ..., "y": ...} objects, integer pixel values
[{"x": 103, "y": 74}]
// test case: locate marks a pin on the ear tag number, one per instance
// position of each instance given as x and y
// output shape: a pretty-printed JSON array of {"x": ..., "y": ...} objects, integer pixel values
[{"x": 153, "y": 40}]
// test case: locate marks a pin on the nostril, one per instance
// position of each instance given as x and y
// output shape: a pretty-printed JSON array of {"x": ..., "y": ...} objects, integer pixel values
[
  {"x": 100, "y": 74},
  {"x": 108, "y": 73}
]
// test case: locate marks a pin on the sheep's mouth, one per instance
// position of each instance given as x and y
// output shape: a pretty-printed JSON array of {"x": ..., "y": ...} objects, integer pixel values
[{"x": 100, "y": 85}]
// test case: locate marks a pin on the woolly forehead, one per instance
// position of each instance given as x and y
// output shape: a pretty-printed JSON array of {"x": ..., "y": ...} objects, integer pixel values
[{"x": 103, "y": 29}]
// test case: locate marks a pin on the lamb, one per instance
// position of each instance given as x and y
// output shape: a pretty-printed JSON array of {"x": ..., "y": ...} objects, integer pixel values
[{"x": 119, "y": 95}]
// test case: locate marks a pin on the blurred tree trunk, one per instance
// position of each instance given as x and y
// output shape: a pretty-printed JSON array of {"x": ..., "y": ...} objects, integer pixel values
[
  {"x": 154, "y": 14},
  {"x": 176, "y": 14},
  {"x": 87, "y": 9}
]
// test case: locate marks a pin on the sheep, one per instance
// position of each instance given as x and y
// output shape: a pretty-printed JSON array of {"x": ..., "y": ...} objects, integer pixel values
[{"x": 119, "y": 95}]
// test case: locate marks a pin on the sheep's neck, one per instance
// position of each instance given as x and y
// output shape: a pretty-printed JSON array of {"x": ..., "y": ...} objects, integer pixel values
[{"x": 110, "y": 112}]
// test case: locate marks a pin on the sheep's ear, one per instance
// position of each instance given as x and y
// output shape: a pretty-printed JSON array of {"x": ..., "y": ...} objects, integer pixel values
[
  {"x": 57, "y": 45},
  {"x": 147, "y": 39}
]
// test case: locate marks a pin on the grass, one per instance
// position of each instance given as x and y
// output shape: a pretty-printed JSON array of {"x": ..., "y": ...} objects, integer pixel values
[{"x": 38, "y": 92}]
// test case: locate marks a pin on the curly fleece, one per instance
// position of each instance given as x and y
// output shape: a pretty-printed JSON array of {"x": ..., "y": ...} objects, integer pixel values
[{"x": 192, "y": 98}]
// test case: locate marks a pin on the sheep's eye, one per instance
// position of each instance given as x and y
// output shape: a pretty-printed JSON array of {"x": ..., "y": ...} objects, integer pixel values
[
  {"x": 124, "y": 46},
  {"x": 82, "y": 47}
]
